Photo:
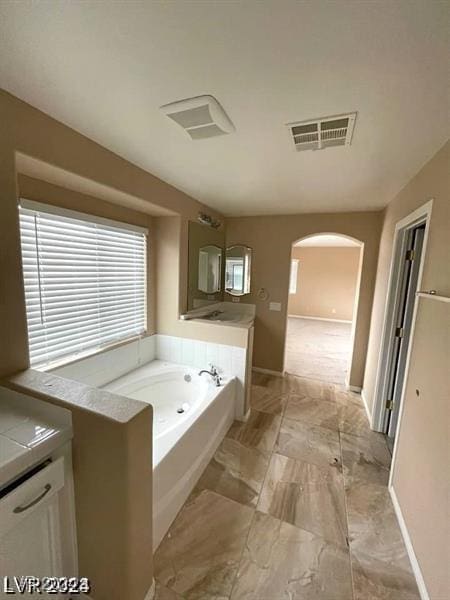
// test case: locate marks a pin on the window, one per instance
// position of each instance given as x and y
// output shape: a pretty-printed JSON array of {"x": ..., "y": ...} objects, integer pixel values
[
  {"x": 85, "y": 282},
  {"x": 293, "y": 276}
]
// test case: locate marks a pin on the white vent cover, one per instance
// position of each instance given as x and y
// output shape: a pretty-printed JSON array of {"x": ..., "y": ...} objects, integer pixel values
[
  {"x": 322, "y": 133},
  {"x": 202, "y": 117}
]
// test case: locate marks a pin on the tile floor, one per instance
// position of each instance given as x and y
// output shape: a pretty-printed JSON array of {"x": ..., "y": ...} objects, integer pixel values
[
  {"x": 318, "y": 349},
  {"x": 293, "y": 506}
]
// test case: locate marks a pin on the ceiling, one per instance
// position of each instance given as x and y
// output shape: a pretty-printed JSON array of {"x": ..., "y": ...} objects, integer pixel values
[
  {"x": 105, "y": 68},
  {"x": 327, "y": 240}
]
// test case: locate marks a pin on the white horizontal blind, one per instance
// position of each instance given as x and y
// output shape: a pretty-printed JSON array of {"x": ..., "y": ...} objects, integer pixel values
[{"x": 85, "y": 284}]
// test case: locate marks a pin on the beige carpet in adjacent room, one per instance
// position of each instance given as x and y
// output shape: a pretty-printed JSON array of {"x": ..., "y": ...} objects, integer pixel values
[{"x": 318, "y": 349}]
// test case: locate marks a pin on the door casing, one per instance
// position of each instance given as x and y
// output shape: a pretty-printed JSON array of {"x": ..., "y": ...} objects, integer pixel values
[{"x": 420, "y": 216}]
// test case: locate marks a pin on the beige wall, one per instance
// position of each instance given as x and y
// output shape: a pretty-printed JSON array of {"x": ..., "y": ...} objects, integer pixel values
[
  {"x": 326, "y": 282},
  {"x": 271, "y": 239},
  {"x": 421, "y": 475},
  {"x": 25, "y": 131},
  {"x": 119, "y": 561}
]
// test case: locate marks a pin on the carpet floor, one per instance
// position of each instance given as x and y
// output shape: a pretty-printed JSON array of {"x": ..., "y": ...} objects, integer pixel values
[{"x": 318, "y": 349}]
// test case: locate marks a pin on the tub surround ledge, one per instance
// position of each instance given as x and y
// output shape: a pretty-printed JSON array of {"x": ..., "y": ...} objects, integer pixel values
[{"x": 75, "y": 395}]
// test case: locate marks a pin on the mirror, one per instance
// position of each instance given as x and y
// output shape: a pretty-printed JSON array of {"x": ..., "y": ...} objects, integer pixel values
[
  {"x": 209, "y": 269},
  {"x": 205, "y": 265},
  {"x": 238, "y": 264}
]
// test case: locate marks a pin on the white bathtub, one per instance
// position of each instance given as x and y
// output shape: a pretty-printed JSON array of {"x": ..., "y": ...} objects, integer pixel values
[{"x": 190, "y": 418}]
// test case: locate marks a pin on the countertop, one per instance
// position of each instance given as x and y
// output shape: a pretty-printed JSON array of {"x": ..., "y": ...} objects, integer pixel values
[
  {"x": 229, "y": 314},
  {"x": 30, "y": 430}
]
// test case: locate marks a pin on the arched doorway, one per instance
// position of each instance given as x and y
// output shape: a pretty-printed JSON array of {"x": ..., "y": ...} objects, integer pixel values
[{"x": 322, "y": 306}]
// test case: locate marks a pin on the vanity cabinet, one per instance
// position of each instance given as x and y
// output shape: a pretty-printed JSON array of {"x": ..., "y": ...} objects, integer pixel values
[{"x": 37, "y": 535}]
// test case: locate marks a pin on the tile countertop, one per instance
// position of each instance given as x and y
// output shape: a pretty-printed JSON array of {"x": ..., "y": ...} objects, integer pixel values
[{"x": 30, "y": 430}]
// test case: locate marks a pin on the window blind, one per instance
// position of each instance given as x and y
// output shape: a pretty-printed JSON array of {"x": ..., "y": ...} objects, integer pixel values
[{"x": 85, "y": 283}]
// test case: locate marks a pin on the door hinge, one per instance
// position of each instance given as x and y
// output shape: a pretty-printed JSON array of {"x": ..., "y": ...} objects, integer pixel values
[
  {"x": 410, "y": 255},
  {"x": 389, "y": 404},
  {"x": 399, "y": 332}
]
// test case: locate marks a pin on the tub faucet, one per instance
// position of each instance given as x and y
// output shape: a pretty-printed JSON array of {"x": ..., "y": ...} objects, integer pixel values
[{"x": 214, "y": 374}]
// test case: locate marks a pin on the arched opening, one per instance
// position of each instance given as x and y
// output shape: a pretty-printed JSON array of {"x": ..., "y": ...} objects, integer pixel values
[{"x": 322, "y": 306}]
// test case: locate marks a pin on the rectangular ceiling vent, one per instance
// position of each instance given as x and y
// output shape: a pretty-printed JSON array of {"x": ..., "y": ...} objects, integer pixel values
[
  {"x": 322, "y": 133},
  {"x": 201, "y": 117}
]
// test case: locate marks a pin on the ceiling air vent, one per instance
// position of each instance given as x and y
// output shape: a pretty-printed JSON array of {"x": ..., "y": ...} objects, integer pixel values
[
  {"x": 202, "y": 117},
  {"x": 322, "y": 133}
]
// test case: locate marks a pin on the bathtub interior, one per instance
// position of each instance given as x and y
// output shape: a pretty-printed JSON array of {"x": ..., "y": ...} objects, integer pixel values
[{"x": 174, "y": 391}]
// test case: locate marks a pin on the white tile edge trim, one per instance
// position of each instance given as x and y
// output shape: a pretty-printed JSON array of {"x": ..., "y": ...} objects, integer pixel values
[
  {"x": 366, "y": 406},
  {"x": 268, "y": 371},
  {"x": 409, "y": 547},
  {"x": 320, "y": 319}
]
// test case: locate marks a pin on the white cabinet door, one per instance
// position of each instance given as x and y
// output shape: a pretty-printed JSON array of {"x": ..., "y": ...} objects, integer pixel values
[{"x": 30, "y": 537}]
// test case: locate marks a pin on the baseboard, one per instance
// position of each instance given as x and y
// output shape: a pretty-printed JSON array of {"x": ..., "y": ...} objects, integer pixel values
[
  {"x": 366, "y": 406},
  {"x": 409, "y": 547},
  {"x": 319, "y": 319},
  {"x": 151, "y": 592},
  {"x": 244, "y": 418},
  {"x": 268, "y": 372},
  {"x": 353, "y": 388}
]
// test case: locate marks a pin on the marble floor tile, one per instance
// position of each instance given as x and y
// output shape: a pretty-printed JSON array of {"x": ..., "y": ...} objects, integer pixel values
[
  {"x": 317, "y": 475},
  {"x": 267, "y": 400},
  {"x": 283, "y": 562},
  {"x": 316, "y": 445},
  {"x": 260, "y": 431},
  {"x": 345, "y": 397},
  {"x": 312, "y": 411},
  {"x": 163, "y": 593},
  {"x": 236, "y": 472},
  {"x": 286, "y": 383},
  {"x": 380, "y": 580},
  {"x": 307, "y": 496},
  {"x": 199, "y": 557},
  {"x": 373, "y": 529},
  {"x": 353, "y": 419},
  {"x": 312, "y": 388},
  {"x": 365, "y": 458}
]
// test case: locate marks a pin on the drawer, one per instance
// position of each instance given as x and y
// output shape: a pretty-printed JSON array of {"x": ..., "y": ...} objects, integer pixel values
[{"x": 30, "y": 495}]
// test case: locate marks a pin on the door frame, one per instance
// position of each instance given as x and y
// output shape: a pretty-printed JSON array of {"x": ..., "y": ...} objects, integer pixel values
[{"x": 421, "y": 215}]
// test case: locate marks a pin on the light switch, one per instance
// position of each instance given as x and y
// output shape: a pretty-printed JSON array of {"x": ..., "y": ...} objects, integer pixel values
[{"x": 275, "y": 306}]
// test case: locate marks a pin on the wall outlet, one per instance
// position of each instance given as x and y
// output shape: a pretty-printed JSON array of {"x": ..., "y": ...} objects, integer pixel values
[
  {"x": 275, "y": 306},
  {"x": 236, "y": 299}
]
